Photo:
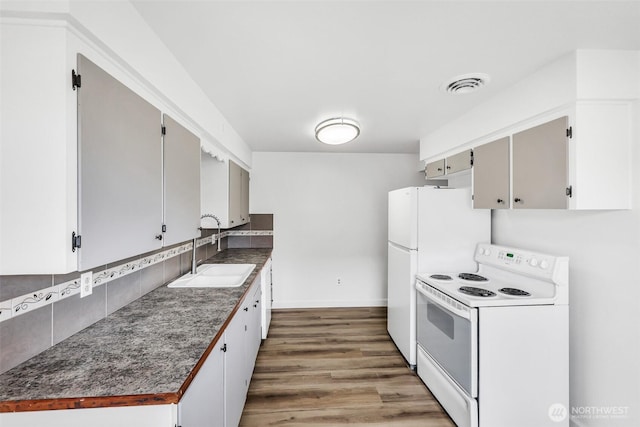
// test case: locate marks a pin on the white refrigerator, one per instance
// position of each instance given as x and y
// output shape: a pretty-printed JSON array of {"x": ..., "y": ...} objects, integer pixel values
[{"x": 431, "y": 230}]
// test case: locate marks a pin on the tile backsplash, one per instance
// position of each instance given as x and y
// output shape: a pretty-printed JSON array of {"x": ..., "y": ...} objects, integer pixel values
[{"x": 52, "y": 309}]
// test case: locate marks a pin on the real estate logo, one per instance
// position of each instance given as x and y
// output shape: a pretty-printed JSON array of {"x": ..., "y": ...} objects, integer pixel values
[{"x": 557, "y": 412}]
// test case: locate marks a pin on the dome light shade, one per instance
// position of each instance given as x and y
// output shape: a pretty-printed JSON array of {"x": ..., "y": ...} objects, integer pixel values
[{"x": 337, "y": 131}]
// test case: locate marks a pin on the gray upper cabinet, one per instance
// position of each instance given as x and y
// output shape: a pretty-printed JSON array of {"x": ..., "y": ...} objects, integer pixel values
[
  {"x": 181, "y": 160},
  {"x": 491, "y": 175},
  {"x": 244, "y": 196},
  {"x": 540, "y": 166},
  {"x": 235, "y": 194},
  {"x": 435, "y": 169},
  {"x": 119, "y": 170},
  {"x": 459, "y": 162}
]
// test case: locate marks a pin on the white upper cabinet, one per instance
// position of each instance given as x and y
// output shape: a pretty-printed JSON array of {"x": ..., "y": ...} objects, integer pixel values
[
  {"x": 84, "y": 157},
  {"x": 576, "y": 101},
  {"x": 38, "y": 183},
  {"x": 181, "y": 158},
  {"x": 579, "y": 160},
  {"x": 224, "y": 192},
  {"x": 120, "y": 170}
]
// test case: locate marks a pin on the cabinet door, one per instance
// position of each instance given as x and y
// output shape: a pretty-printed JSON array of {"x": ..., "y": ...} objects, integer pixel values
[
  {"x": 254, "y": 335},
  {"x": 235, "y": 194},
  {"x": 120, "y": 170},
  {"x": 235, "y": 367},
  {"x": 244, "y": 203},
  {"x": 491, "y": 175},
  {"x": 203, "y": 403},
  {"x": 266, "y": 284},
  {"x": 458, "y": 162},
  {"x": 181, "y": 158},
  {"x": 435, "y": 169},
  {"x": 540, "y": 166}
]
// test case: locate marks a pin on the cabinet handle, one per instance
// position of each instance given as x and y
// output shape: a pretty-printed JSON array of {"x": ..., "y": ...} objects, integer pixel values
[
  {"x": 224, "y": 348},
  {"x": 246, "y": 309},
  {"x": 159, "y": 236},
  {"x": 448, "y": 167},
  {"x": 500, "y": 201},
  {"x": 439, "y": 169},
  {"x": 517, "y": 200},
  {"x": 255, "y": 305}
]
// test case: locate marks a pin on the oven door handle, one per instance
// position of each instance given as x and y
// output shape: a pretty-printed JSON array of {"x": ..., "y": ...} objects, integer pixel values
[{"x": 460, "y": 312}]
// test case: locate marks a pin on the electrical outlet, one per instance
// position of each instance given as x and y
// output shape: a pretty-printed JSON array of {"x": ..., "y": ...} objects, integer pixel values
[
  {"x": 339, "y": 281},
  {"x": 86, "y": 284}
]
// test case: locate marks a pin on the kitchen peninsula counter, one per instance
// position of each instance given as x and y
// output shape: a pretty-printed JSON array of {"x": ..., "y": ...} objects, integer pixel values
[{"x": 143, "y": 354}]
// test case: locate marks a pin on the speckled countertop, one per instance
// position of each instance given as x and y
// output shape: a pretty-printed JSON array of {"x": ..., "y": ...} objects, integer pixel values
[{"x": 145, "y": 351}]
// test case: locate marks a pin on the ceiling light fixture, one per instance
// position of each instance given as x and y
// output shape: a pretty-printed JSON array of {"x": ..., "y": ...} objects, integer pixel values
[
  {"x": 336, "y": 131},
  {"x": 466, "y": 83}
]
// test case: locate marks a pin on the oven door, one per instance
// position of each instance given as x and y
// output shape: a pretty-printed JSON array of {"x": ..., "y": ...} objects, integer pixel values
[{"x": 448, "y": 332}]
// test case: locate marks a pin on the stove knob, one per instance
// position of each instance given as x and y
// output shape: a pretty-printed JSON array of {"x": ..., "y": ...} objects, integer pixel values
[
  {"x": 544, "y": 264},
  {"x": 487, "y": 251},
  {"x": 533, "y": 262}
]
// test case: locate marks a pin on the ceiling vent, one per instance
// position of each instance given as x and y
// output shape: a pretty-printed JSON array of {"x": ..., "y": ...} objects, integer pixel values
[{"x": 466, "y": 83}]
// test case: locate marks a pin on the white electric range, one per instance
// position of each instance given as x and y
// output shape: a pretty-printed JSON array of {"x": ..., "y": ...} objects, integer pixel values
[{"x": 493, "y": 344}]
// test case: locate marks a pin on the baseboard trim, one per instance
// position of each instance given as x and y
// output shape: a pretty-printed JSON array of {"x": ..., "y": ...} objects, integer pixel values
[{"x": 329, "y": 303}]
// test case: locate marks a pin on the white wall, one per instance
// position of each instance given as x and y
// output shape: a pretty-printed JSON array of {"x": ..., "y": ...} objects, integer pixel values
[
  {"x": 330, "y": 222},
  {"x": 604, "y": 251}
]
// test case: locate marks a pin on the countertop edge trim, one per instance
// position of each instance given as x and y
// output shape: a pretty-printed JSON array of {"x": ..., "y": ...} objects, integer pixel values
[{"x": 88, "y": 402}]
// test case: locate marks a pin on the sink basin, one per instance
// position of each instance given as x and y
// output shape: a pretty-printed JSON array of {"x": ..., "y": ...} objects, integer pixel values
[{"x": 215, "y": 276}]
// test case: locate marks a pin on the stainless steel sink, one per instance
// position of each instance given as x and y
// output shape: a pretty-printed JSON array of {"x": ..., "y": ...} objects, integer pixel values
[{"x": 215, "y": 276}]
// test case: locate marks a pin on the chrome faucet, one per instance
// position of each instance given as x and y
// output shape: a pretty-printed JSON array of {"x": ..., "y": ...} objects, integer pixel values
[
  {"x": 195, "y": 241},
  {"x": 193, "y": 257},
  {"x": 218, "y": 221}
]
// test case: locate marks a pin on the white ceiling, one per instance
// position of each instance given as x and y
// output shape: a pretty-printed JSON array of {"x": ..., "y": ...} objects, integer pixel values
[{"x": 277, "y": 68}]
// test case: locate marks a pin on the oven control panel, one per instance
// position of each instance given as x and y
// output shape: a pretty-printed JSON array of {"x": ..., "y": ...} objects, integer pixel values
[{"x": 517, "y": 260}]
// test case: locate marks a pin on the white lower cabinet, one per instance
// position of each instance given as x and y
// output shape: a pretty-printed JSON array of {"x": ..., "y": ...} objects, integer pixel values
[
  {"x": 254, "y": 329},
  {"x": 217, "y": 394},
  {"x": 203, "y": 403},
  {"x": 242, "y": 339},
  {"x": 265, "y": 280},
  {"x": 235, "y": 368}
]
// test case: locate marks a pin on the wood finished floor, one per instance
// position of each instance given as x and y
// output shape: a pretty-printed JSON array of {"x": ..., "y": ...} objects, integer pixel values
[{"x": 333, "y": 367}]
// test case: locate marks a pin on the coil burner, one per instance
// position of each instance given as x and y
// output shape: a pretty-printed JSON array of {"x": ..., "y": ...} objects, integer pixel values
[
  {"x": 476, "y": 292},
  {"x": 440, "y": 277},
  {"x": 514, "y": 292},
  {"x": 472, "y": 277}
]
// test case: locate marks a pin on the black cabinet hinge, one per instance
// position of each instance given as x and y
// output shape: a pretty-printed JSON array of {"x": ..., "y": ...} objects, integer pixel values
[
  {"x": 164, "y": 228},
  {"x": 164, "y": 130},
  {"x": 570, "y": 132},
  {"x": 76, "y": 241},
  {"x": 76, "y": 80},
  {"x": 471, "y": 160},
  {"x": 569, "y": 191}
]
